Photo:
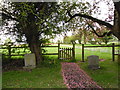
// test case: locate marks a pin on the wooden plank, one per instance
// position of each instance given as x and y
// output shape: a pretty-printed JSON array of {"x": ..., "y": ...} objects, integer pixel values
[
  {"x": 49, "y": 46},
  {"x": 20, "y": 47},
  {"x": 102, "y": 46},
  {"x": 24, "y": 47},
  {"x": 62, "y": 53},
  {"x": 116, "y": 54},
  {"x": 96, "y": 46},
  {"x": 42, "y": 54},
  {"x": 82, "y": 52},
  {"x": 113, "y": 52},
  {"x": 50, "y": 54},
  {"x": 4, "y": 48},
  {"x": 73, "y": 51},
  {"x": 16, "y": 55},
  {"x": 117, "y": 46},
  {"x": 67, "y": 55},
  {"x": 58, "y": 50},
  {"x": 69, "y": 52}
]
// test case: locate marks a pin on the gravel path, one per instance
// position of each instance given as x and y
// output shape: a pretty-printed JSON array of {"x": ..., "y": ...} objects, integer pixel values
[{"x": 74, "y": 77}]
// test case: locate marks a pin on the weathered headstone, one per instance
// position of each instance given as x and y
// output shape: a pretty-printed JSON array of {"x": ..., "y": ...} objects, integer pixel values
[
  {"x": 93, "y": 62},
  {"x": 30, "y": 61}
]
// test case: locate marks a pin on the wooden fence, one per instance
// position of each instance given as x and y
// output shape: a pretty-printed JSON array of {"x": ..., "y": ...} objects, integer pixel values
[
  {"x": 50, "y": 47},
  {"x": 112, "y": 46},
  {"x": 9, "y": 48},
  {"x": 63, "y": 53}
]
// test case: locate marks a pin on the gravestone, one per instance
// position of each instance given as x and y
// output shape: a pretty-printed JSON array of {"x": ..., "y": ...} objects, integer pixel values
[
  {"x": 93, "y": 62},
  {"x": 30, "y": 61}
]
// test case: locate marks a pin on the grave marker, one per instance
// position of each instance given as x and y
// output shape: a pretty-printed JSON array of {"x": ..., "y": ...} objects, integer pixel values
[
  {"x": 30, "y": 61},
  {"x": 93, "y": 62}
]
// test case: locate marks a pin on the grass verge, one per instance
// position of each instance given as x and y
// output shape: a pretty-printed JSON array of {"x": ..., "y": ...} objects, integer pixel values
[{"x": 44, "y": 76}]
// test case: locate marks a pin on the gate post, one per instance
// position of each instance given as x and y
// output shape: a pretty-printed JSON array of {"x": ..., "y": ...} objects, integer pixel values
[
  {"x": 73, "y": 51},
  {"x": 58, "y": 50},
  {"x": 113, "y": 52},
  {"x": 9, "y": 51},
  {"x": 82, "y": 52}
]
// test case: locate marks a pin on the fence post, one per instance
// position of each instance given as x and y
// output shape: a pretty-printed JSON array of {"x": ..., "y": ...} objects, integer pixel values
[
  {"x": 58, "y": 50},
  {"x": 118, "y": 52},
  {"x": 73, "y": 51},
  {"x": 82, "y": 52},
  {"x": 9, "y": 51},
  {"x": 113, "y": 52}
]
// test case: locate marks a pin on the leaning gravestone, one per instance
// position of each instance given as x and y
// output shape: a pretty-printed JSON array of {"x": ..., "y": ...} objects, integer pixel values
[
  {"x": 30, "y": 61},
  {"x": 93, "y": 62}
]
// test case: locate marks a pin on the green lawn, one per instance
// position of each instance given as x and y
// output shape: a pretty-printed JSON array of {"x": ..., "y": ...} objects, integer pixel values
[
  {"x": 49, "y": 76},
  {"x": 106, "y": 76},
  {"x": 42, "y": 77}
]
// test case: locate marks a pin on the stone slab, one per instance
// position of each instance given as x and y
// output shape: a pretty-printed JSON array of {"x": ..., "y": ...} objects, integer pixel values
[
  {"x": 30, "y": 61},
  {"x": 93, "y": 62}
]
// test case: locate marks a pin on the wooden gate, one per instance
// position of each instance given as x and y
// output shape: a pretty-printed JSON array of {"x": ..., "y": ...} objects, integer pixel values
[{"x": 66, "y": 53}]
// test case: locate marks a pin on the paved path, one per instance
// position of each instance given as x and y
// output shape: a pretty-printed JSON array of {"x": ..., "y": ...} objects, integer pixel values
[{"x": 74, "y": 77}]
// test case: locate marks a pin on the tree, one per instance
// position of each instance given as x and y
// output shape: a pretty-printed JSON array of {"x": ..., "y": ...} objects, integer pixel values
[
  {"x": 35, "y": 21},
  {"x": 115, "y": 29},
  {"x": 70, "y": 39}
]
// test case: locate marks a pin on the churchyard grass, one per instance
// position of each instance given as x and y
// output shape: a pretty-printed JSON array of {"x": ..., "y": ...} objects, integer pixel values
[
  {"x": 106, "y": 76},
  {"x": 50, "y": 77},
  {"x": 44, "y": 76}
]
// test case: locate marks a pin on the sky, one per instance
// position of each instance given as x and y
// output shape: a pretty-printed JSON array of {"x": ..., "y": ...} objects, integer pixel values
[{"x": 104, "y": 14}]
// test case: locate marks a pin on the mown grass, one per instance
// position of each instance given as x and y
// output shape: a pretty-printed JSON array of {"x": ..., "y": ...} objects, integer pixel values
[
  {"x": 106, "y": 76},
  {"x": 44, "y": 76},
  {"x": 48, "y": 75}
]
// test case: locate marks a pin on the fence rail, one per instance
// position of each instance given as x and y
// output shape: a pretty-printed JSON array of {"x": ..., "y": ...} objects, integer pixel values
[
  {"x": 9, "y": 49},
  {"x": 112, "y": 46},
  {"x": 63, "y": 53}
]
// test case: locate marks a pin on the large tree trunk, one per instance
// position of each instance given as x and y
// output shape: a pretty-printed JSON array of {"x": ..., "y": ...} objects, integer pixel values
[
  {"x": 35, "y": 47},
  {"x": 117, "y": 23},
  {"x": 116, "y": 27}
]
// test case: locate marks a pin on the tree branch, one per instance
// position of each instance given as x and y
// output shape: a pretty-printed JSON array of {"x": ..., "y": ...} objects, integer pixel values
[
  {"x": 91, "y": 18},
  {"x": 105, "y": 33},
  {"x": 8, "y": 17}
]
